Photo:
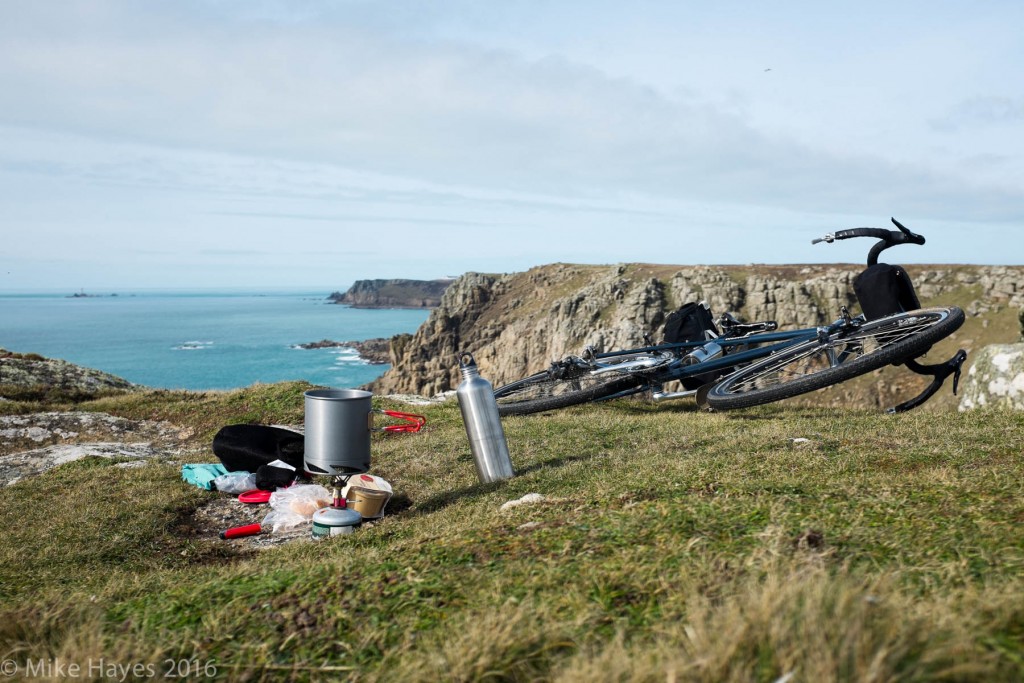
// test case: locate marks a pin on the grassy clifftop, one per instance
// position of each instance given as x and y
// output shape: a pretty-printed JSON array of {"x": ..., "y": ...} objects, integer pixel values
[{"x": 813, "y": 543}]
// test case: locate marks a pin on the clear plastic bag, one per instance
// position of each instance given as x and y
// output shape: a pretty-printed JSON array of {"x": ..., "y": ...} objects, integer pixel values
[
  {"x": 281, "y": 522},
  {"x": 293, "y": 507},
  {"x": 235, "y": 482}
]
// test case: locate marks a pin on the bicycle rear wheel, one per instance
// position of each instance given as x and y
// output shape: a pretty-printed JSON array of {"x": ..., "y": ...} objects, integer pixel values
[
  {"x": 567, "y": 384},
  {"x": 818, "y": 363}
]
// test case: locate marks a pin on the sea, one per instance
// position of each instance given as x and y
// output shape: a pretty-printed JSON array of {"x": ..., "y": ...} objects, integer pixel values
[{"x": 202, "y": 340}]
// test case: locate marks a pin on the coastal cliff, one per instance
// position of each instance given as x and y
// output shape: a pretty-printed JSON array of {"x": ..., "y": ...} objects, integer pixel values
[
  {"x": 515, "y": 324},
  {"x": 393, "y": 294}
]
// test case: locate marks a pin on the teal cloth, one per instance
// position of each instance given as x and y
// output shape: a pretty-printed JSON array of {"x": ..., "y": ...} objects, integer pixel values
[{"x": 202, "y": 475}]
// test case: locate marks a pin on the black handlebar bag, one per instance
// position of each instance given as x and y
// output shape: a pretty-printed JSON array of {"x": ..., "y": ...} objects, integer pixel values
[
  {"x": 690, "y": 323},
  {"x": 884, "y": 290}
]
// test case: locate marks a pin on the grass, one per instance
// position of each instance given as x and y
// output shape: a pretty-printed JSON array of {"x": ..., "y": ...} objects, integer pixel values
[{"x": 671, "y": 545}]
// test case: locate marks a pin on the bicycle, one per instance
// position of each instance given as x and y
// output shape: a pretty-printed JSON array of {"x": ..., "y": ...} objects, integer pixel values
[{"x": 739, "y": 365}]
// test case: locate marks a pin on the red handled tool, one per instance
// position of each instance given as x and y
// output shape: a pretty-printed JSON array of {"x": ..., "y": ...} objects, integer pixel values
[{"x": 240, "y": 531}]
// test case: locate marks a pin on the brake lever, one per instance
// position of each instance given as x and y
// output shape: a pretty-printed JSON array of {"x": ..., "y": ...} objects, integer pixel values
[{"x": 911, "y": 237}]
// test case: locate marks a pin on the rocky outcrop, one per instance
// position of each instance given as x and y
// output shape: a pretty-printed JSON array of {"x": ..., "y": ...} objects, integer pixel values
[
  {"x": 515, "y": 324},
  {"x": 374, "y": 351},
  {"x": 996, "y": 379},
  {"x": 393, "y": 294},
  {"x": 32, "y": 444},
  {"x": 27, "y": 373}
]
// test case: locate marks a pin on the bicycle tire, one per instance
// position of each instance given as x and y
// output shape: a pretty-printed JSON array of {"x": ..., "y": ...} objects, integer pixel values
[
  {"x": 799, "y": 369},
  {"x": 544, "y": 391}
]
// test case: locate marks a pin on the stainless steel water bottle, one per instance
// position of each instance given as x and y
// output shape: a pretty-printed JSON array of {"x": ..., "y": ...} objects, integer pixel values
[{"x": 483, "y": 426}]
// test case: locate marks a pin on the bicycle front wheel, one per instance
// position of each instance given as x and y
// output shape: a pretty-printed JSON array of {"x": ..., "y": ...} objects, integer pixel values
[
  {"x": 562, "y": 386},
  {"x": 820, "y": 363}
]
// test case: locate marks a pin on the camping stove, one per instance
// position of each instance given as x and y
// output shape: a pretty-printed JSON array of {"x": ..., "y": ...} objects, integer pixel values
[
  {"x": 339, "y": 423},
  {"x": 337, "y": 519}
]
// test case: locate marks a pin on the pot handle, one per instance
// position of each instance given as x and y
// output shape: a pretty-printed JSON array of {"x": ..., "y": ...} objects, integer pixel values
[{"x": 412, "y": 422}]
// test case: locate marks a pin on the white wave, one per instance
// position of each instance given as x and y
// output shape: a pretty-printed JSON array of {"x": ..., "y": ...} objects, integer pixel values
[
  {"x": 350, "y": 360},
  {"x": 193, "y": 346}
]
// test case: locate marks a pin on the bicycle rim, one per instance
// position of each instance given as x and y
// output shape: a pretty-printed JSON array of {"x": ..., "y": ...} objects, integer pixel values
[{"x": 817, "y": 364}]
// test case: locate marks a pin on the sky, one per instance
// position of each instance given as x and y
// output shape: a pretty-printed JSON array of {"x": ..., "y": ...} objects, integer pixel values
[{"x": 276, "y": 143}]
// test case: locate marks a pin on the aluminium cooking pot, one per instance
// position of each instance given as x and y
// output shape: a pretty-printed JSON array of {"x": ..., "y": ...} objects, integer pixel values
[{"x": 338, "y": 426}]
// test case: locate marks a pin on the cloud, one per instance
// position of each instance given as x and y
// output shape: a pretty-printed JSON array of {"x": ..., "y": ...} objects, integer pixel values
[
  {"x": 981, "y": 112},
  {"x": 358, "y": 137},
  {"x": 360, "y": 95}
]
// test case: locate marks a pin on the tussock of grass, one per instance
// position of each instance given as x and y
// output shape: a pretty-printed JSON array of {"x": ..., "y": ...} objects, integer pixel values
[
  {"x": 810, "y": 624},
  {"x": 671, "y": 545}
]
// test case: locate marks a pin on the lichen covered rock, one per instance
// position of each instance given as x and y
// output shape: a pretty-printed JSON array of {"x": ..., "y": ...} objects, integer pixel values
[
  {"x": 996, "y": 379},
  {"x": 22, "y": 372}
]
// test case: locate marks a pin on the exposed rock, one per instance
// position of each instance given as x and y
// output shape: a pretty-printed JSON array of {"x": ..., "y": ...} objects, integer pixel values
[
  {"x": 996, "y": 379},
  {"x": 31, "y": 444},
  {"x": 19, "y": 432},
  {"x": 528, "y": 499},
  {"x": 15, "y": 467},
  {"x": 374, "y": 351},
  {"x": 322, "y": 344},
  {"x": 21, "y": 372},
  {"x": 393, "y": 294}
]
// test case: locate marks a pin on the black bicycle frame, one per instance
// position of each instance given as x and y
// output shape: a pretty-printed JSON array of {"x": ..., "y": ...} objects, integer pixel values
[{"x": 768, "y": 343}]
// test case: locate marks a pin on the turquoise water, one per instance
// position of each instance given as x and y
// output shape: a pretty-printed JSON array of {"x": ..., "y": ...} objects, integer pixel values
[{"x": 201, "y": 341}]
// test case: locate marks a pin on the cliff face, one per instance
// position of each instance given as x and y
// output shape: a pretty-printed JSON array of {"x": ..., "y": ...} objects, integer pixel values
[
  {"x": 393, "y": 293},
  {"x": 515, "y": 324}
]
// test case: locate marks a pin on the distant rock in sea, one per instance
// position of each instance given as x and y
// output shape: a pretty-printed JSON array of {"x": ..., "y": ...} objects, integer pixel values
[
  {"x": 393, "y": 294},
  {"x": 373, "y": 351}
]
